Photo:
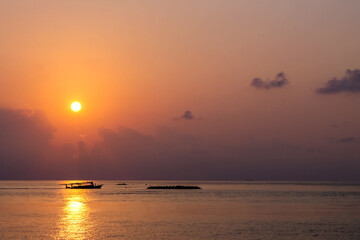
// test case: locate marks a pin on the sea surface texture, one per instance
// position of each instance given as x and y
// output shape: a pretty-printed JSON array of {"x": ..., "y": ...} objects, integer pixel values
[{"x": 220, "y": 210}]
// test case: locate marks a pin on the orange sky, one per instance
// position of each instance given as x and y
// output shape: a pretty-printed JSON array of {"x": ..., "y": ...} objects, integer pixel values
[{"x": 142, "y": 64}]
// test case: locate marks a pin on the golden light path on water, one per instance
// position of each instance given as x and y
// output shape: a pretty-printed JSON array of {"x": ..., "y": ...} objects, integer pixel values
[{"x": 75, "y": 222}]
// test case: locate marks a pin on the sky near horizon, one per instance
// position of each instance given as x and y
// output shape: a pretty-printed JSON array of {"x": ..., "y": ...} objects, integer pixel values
[{"x": 208, "y": 90}]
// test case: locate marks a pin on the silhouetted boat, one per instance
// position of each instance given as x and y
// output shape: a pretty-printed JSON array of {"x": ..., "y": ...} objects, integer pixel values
[{"x": 82, "y": 185}]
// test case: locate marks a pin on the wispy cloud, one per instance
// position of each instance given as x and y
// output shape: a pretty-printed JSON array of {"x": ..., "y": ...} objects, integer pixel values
[
  {"x": 279, "y": 81},
  {"x": 347, "y": 140},
  {"x": 348, "y": 83}
]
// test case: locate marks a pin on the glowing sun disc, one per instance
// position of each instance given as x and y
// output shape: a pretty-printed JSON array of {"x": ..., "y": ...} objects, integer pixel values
[{"x": 75, "y": 106}]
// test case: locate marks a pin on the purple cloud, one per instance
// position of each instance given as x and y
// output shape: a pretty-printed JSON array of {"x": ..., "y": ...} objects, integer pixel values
[
  {"x": 187, "y": 116},
  {"x": 347, "y": 140},
  {"x": 348, "y": 83},
  {"x": 279, "y": 81}
]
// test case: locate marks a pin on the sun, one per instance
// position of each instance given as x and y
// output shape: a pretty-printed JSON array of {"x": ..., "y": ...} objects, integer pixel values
[{"x": 75, "y": 106}]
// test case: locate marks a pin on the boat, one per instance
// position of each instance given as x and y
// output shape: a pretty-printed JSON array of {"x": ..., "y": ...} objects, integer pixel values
[{"x": 82, "y": 185}]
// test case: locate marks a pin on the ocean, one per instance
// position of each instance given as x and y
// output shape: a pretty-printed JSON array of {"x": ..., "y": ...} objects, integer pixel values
[{"x": 220, "y": 210}]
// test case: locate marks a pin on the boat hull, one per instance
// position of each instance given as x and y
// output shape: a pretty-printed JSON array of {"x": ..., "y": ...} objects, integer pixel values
[{"x": 85, "y": 187}]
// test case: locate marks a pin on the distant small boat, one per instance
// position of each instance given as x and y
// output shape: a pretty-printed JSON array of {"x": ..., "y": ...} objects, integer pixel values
[{"x": 82, "y": 185}]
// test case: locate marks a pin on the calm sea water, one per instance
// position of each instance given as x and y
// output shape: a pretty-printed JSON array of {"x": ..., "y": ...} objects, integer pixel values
[{"x": 220, "y": 210}]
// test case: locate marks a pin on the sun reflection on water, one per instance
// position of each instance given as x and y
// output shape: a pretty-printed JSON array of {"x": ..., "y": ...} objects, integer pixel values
[{"x": 75, "y": 222}]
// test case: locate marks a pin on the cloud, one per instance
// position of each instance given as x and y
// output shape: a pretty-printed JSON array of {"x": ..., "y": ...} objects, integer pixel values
[
  {"x": 349, "y": 83},
  {"x": 123, "y": 153},
  {"x": 279, "y": 81},
  {"x": 129, "y": 154},
  {"x": 167, "y": 155},
  {"x": 187, "y": 116},
  {"x": 347, "y": 140},
  {"x": 24, "y": 141}
]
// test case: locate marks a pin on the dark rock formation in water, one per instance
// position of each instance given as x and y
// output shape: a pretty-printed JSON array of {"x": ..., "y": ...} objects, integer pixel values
[{"x": 174, "y": 187}]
